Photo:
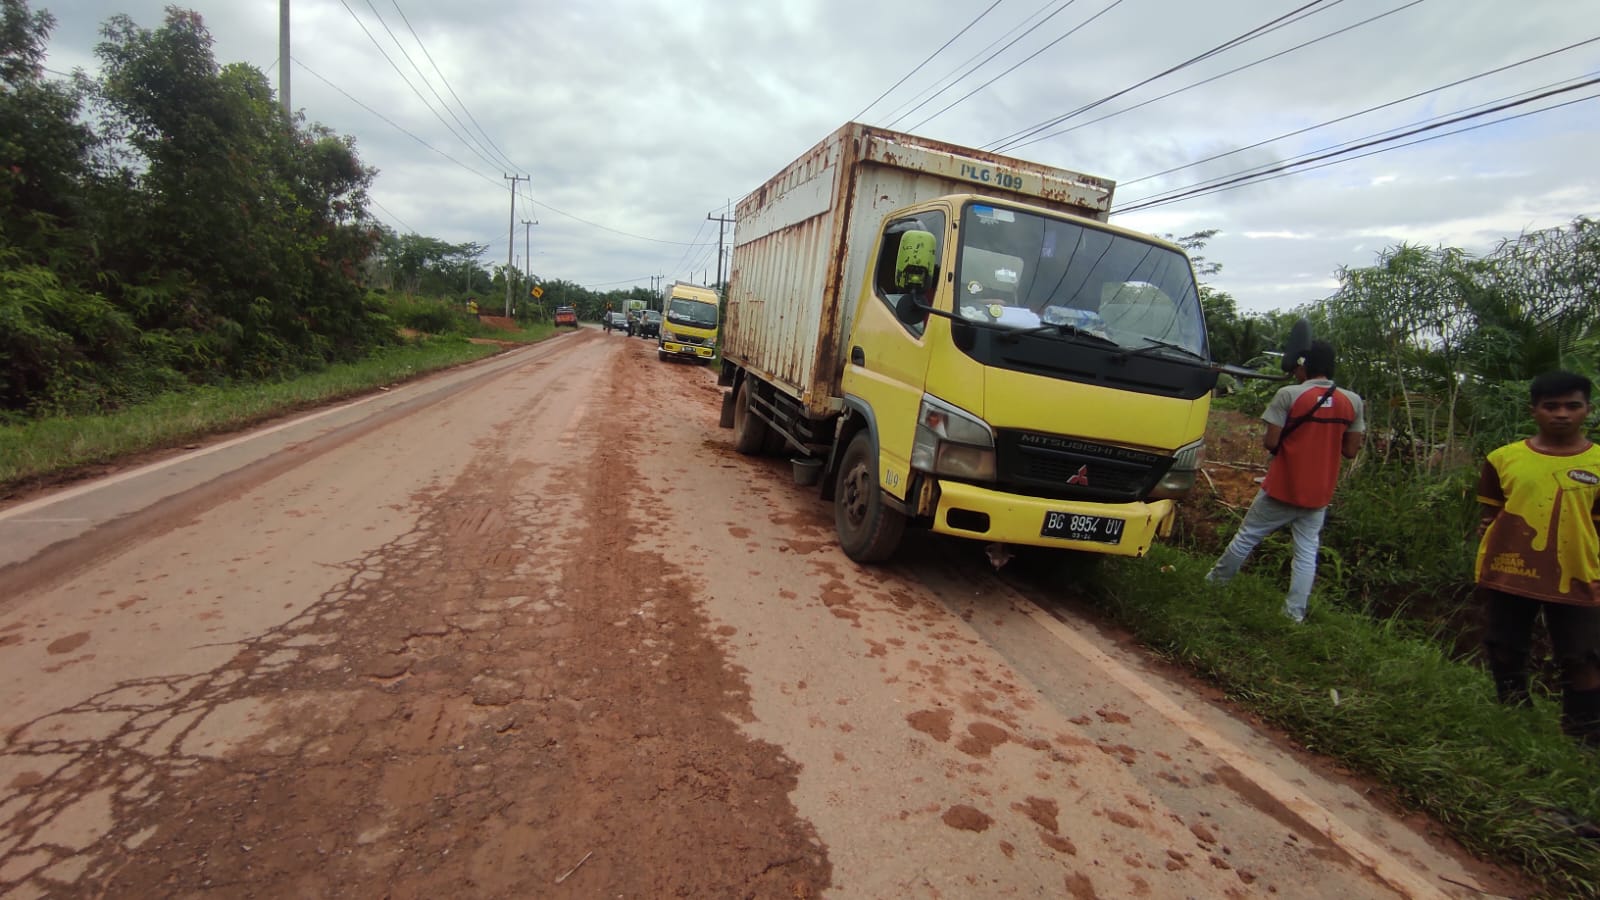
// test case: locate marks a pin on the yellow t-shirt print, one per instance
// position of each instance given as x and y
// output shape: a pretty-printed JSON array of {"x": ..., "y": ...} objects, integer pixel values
[{"x": 1543, "y": 544}]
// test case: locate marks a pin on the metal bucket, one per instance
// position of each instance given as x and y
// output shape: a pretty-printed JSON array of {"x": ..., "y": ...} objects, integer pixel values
[{"x": 807, "y": 470}]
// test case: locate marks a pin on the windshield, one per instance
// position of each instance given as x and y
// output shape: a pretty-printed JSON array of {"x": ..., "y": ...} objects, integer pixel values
[
  {"x": 692, "y": 313},
  {"x": 1022, "y": 270}
]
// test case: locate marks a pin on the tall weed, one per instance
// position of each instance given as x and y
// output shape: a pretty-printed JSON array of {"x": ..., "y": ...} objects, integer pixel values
[{"x": 1403, "y": 537}]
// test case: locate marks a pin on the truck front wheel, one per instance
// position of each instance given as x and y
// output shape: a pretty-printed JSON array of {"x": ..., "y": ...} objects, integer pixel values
[
  {"x": 749, "y": 432},
  {"x": 869, "y": 531}
]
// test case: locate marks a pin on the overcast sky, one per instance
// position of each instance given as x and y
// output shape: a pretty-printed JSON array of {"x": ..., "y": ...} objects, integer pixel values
[{"x": 636, "y": 120}]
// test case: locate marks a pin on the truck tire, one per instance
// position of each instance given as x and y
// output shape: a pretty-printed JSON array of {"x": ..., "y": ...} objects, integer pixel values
[
  {"x": 869, "y": 531},
  {"x": 749, "y": 432}
]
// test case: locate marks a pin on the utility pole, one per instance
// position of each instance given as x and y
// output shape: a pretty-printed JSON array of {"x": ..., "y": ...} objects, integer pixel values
[
  {"x": 722, "y": 223},
  {"x": 527, "y": 253},
  {"x": 283, "y": 59},
  {"x": 511, "y": 235}
]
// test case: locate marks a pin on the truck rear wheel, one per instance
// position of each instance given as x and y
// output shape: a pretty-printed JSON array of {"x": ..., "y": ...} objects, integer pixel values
[
  {"x": 869, "y": 531},
  {"x": 749, "y": 432}
]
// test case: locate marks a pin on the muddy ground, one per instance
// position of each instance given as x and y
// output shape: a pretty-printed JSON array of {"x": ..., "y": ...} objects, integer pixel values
[{"x": 548, "y": 635}]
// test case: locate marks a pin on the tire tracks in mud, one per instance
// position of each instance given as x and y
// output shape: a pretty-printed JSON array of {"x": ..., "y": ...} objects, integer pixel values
[{"x": 474, "y": 707}]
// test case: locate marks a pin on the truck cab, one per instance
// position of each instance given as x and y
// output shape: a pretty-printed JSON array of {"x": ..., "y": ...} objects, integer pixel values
[
  {"x": 689, "y": 326},
  {"x": 1031, "y": 377}
]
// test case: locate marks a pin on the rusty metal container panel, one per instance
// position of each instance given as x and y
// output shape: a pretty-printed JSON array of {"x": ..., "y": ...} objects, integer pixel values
[
  {"x": 979, "y": 172},
  {"x": 803, "y": 243},
  {"x": 781, "y": 283}
]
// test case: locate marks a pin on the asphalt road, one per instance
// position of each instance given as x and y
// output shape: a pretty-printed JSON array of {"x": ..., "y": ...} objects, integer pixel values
[{"x": 531, "y": 628}]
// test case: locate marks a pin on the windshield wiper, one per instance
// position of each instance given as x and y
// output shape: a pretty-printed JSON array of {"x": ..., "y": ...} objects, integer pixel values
[
  {"x": 1158, "y": 344},
  {"x": 1063, "y": 329}
]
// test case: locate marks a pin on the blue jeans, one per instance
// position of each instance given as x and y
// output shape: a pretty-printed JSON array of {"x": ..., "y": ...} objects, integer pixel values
[{"x": 1265, "y": 516}]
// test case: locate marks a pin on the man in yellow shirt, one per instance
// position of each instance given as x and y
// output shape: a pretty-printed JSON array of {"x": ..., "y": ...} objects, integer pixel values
[{"x": 1540, "y": 552}]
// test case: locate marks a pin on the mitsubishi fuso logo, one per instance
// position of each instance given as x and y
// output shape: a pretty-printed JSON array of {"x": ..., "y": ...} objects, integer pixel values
[{"x": 1081, "y": 478}]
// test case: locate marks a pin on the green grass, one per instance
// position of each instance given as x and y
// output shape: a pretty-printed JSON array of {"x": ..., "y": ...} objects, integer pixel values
[
  {"x": 1405, "y": 713},
  {"x": 44, "y": 448}
]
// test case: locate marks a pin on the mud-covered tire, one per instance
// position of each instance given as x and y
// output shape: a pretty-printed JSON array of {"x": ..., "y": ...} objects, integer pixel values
[
  {"x": 749, "y": 432},
  {"x": 868, "y": 529}
]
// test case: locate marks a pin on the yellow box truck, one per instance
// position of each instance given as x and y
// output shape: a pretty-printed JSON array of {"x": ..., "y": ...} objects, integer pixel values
[
  {"x": 689, "y": 326},
  {"x": 951, "y": 339}
]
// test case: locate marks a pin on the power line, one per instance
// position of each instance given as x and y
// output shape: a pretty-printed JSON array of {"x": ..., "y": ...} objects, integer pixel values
[
  {"x": 685, "y": 257},
  {"x": 390, "y": 122},
  {"x": 468, "y": 168},
  {"x": 929, "y": 59},
  {"x": 1296, "y": 167},
  {"x": 447, "y": 86},
  {"x": 421, "y": 76},
  {"x": 1113, "y": 5},
  {"x": 1299, "y": 131},
  {"x": 1324, "y": 165},
  {"x": 634, "y": 280},
  {"x": 1059, "y": 10},
  {"x": 390, "y": 60},
  {"x": 374, "y": 201},
  {"x": 957, "y": 68},
  {"x": 1265, "y": 28},
  {"x": 1301, "y": 46},
  {"x": 1348, "y": 146},
  {"x": 575, "y": 218}
]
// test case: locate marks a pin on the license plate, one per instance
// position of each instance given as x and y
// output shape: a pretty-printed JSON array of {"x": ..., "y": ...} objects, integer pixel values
[{"x": 1074, "y": 527}]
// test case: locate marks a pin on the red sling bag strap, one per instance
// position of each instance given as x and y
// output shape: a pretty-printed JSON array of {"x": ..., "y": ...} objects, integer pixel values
[{"x": 1297, "y": 421}]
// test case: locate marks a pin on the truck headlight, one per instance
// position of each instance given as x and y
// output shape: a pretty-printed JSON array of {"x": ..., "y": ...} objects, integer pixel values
[
  {"x": 952, "y": 442},
  {"x": 667, "y": 335},
  {"x": 1179, "y": 480}
]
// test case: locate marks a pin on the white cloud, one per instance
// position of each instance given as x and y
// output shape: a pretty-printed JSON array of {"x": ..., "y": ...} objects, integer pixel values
[
  {"x": 645, "y": 115},
  {"x": 1278, "y": 235}
]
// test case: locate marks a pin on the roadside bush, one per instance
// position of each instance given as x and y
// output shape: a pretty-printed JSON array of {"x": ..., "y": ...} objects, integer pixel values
[
  {"x": 427, "y": 315},
  {"x": 60, "y": 348}
]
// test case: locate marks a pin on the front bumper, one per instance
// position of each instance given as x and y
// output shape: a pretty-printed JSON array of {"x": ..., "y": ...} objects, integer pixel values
[
  {"x": 678, "y": 349},
  {"x": 1014, "y": 519}
]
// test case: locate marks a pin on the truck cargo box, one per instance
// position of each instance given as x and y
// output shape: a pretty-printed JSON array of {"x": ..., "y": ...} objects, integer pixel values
[{"x": 803, "y": 240}]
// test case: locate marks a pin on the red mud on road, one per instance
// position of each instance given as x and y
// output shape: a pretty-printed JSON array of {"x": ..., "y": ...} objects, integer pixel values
[{"x": 507, "y": 698}]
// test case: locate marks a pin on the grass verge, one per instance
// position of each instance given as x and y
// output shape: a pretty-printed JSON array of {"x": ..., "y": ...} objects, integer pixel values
[
  {"x": 1505, "y": 781},
  {"x": 46, "y": 448}
]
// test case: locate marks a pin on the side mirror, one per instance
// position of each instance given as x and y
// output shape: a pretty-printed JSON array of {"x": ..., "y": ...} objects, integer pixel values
[{"x": 909, "y": 310}]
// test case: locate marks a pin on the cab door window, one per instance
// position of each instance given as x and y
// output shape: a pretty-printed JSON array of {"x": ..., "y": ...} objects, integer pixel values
[{"x": 886, "y": 281}]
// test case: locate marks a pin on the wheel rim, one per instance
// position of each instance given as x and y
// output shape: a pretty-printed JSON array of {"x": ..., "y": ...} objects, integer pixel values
[{"x": 855, "y": 495}]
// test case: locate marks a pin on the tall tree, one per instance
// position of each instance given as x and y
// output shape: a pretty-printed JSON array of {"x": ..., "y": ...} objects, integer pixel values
[
  {"x": 254, "y": 229},
  {"x": 44, "y": 150}
]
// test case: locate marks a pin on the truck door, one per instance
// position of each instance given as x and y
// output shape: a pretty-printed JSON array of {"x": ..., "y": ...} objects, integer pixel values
[{"x": 886, "y": 361}]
